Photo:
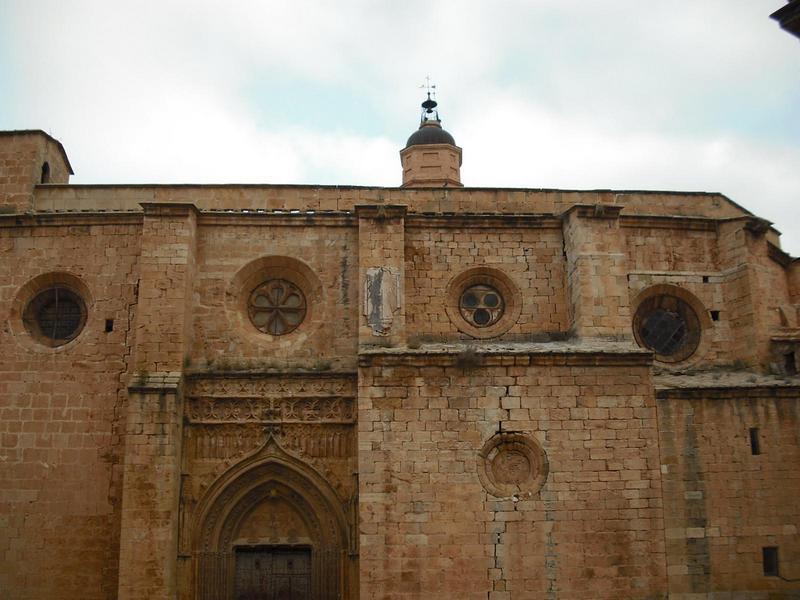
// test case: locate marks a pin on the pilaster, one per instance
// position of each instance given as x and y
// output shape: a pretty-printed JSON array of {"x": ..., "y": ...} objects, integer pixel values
[
  {"x": 749, "y": 289},
  {"x": 597, "y": 269},
  {"x": 167, "y": 263},
  {"x": 793, "y": 274},
  {"x": 151, "y": 480},
  {"x": 151, "y": 489},
  {"x": 381, "y": 268}
]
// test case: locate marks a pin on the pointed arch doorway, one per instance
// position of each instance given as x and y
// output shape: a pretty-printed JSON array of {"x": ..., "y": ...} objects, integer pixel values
[{"x": 272, "y": 528}]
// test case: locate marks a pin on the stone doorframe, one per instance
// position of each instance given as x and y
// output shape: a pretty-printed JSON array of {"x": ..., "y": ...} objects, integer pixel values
[{"x": 238, "y": 491}]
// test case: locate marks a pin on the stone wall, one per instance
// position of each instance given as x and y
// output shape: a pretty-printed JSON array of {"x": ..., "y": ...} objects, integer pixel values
[
  {"x": 28, "y": 158},
  {"x": 429, "y": 527},
  {"x": 530, "y": 256},
  {"x": 526, "y": 459},
  {"x": 232, "y": 260},
  {"x": 62, "y": 411},
  {"x": 672, "y": 246},
  {"x": 722, "y": 503},
  {"x": 449, "y": 201}
]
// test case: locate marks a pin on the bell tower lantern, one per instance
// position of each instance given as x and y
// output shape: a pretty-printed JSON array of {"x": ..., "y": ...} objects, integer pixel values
[{"x": 431, "y": 157}]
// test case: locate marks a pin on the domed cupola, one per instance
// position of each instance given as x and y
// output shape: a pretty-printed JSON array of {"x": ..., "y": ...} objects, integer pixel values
[
  {"x": 430, "y": 132},
  {"x": 431, "y": 157}
]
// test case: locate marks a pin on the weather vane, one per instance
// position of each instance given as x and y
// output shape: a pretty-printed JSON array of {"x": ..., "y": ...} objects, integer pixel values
[
  {"x": 429, "y": 106},
  {"x": 431, "y": 88}
]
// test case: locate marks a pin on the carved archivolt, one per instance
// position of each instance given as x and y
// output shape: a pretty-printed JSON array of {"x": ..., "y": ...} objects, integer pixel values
[{"x": 270, "y": 475}]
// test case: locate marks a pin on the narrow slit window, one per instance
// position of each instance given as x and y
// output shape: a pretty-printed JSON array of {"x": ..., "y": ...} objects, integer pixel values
[
  {"x": 789, "y": 363},
  {"x": 46, "y": 172},
  {"x": 715, "y": 315},
  {"x": 755, "y": 446},
  {"x": 109, "y": 325},
  {"x": 770, "y": 560}
]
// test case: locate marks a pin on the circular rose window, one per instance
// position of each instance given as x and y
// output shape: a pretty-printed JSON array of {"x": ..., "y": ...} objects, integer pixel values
[
  {"x": 55, "y": 315},
  {"x": 482, "y": 302},
  {"x": 668, "y": 326},
  {"x": 277, "y": 307},
  {"x": 481, "y": 305}
]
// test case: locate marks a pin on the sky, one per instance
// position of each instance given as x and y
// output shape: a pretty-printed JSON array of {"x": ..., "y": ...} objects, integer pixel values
[{"x": 575, "y": 94}]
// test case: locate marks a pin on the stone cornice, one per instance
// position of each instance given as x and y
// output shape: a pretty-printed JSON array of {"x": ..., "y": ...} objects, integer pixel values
[
  {"x": 595, "y": 353},
  {"x": 593, "y": 211},
  {"x": 381, "y": 211},
  {"x": 484, "y": 221},
  {"x": 279, "y": 218},
  {"x": 669, "y": 222},
  {"x": 155, "y": 382},
  {"x": 62, "y": 219},
  {"x": 169, "y": 209},
  {"x": 779, "y": 256},
  {"x": 747, "y": 392},
  {"x": 199, "y": 374}
]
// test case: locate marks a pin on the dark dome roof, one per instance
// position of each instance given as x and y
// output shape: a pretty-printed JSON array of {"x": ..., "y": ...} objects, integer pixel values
[{"x": 430, "y": 133}]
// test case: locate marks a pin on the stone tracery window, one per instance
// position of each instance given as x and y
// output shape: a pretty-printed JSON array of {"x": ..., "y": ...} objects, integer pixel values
[
  {"x": 277, "y": 307},
  {"x": 668, "y": 326},
  {"x": 483, "y": 302},
  {"x": 481, "y": 305},
  {"x": 55, "y": 315}
]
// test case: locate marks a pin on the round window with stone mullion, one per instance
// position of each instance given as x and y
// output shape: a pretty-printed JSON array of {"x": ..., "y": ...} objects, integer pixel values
[
  {"x": 668, "y": 326},
  {"x": 277, "y": 307},
  {"x": 55, "y": 315},
  {"x": 481, "y": 305}
]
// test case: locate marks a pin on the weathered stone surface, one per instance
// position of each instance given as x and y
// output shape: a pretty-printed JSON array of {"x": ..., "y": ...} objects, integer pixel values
[{"x": 171, "y": 437}]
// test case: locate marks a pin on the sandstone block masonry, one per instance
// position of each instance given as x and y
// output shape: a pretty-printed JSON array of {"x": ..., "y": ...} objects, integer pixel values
[{"x": 391, "y": 393}]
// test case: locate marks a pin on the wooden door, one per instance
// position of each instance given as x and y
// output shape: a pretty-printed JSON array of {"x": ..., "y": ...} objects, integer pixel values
[{"x": 264, "y": 573}]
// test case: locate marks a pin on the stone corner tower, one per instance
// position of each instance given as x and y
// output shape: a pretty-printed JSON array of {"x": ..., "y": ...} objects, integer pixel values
[
  {"x": 29, "y": 157},
  {"x": 431, "y": 157}
]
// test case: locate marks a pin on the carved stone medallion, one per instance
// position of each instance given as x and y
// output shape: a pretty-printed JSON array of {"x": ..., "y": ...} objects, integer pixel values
[{"x": 512, "y": 465}]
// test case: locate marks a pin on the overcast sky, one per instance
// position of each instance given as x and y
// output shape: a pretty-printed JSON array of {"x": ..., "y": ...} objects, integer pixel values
[{"x": 578, "y": 94}]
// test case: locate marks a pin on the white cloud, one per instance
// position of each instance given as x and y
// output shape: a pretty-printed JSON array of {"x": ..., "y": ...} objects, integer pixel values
[
  {"x": 531, "y": 146},
  {"x": 562, "y": 93}
]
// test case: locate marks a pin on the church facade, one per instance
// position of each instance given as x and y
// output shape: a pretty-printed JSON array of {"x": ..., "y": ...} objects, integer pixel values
[{"x": 429, "y": 391}]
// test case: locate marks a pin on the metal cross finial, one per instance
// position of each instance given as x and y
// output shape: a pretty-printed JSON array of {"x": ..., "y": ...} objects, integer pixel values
[
  {"x": 431, "y": 88},
  {"x": 429, "y": 106}
]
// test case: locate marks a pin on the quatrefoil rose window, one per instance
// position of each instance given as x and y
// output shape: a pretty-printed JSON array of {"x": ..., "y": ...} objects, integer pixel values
[{"x": 277, "y": 307}]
